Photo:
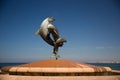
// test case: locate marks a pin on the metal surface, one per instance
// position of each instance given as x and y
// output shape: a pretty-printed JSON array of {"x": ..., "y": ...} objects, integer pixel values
[{"x": 50, "y": 34}]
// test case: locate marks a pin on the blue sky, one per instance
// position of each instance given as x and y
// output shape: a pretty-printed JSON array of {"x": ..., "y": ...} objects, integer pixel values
[{"x": 91, "y": 27}]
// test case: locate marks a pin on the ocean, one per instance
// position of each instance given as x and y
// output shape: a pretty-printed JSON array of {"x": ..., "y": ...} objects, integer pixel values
[{"x": 114, "y": 66}]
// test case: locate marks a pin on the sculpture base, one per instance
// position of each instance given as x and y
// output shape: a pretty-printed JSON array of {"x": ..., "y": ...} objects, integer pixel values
[
  {"x": 55, "y": 56},
  {"x": 58, "y": 68}
]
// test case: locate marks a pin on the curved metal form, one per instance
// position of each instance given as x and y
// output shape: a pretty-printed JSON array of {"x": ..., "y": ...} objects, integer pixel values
[{"x": 50, "y": 34}]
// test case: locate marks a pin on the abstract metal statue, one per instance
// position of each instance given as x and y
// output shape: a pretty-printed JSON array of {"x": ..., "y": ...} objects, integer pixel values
[{"x": 46, "y": 30}]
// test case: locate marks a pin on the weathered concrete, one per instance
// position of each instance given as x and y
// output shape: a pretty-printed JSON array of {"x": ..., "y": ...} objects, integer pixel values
[
  {"x": 56, "y": 66},
  {"x": 13, "y": 77},
  {"x": 59, "y": 68}
]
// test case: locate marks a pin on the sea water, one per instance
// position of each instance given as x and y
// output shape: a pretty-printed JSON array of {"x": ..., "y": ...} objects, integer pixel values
[{"x": 114, "y": 66}]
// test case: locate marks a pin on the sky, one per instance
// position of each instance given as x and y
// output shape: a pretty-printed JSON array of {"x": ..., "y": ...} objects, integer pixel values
[{"x": 91, "y": 27}]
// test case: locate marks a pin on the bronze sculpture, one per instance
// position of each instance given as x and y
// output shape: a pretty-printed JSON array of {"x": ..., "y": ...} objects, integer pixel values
[{"x": 47, "y": 29}]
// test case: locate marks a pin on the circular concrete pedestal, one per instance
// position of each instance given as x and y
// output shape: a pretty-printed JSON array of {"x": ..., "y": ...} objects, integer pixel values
[{"x": 56, "y": 68}]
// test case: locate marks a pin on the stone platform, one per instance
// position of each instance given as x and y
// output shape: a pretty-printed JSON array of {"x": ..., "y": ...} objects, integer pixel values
[
  {"x": 16, "y": 77},
  {"x": 57, "y": 68}
]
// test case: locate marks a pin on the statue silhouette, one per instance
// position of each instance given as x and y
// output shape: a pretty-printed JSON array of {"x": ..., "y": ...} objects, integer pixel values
[{"x": 50, "y": 34}]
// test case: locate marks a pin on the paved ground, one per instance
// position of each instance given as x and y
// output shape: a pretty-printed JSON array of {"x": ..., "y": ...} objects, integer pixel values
[{"x": 13, "y": 77}]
